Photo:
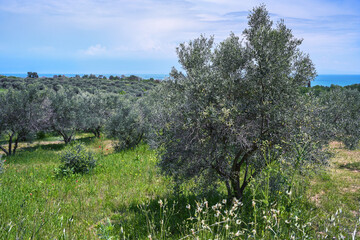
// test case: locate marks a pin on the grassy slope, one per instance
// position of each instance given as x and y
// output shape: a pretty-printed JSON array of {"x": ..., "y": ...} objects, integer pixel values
[
  {"x": 34, "y": 201},
  {"x": 339, "y": 187}
]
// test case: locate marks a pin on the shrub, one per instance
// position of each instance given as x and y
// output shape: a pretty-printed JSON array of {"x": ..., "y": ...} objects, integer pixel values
[
  {"x": 75, "y": 159},
  {"x": 41, "y": 135}
]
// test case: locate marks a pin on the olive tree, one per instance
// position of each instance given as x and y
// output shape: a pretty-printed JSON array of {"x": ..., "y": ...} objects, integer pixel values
[
  {"x": 125, "y": 125},
  {"x": 65, "y": 115},
  {"x": 95, "y": 109},
  {"x": 213, "y": 120},
  {"x": 341, "y": 114},
  {"x": 22, "y": 113}
]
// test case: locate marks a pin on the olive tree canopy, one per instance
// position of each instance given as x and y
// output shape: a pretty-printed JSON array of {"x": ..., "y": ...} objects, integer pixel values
[
  {"x": 95, "y": 110},
  {"x": 22, "y": 113},
  {"x": 233, "y": 97},
  {"x": 65, "y": 115},
  {"x": 341, "y": 114}
]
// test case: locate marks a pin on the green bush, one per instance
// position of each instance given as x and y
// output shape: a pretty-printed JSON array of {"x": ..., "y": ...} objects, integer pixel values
[
  {"x": 41, "y": 135},
  {"x": 75, "y": 159}
]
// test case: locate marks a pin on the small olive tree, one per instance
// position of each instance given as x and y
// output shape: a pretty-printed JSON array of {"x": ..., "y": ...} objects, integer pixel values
[{"x": 212, "y": 121}]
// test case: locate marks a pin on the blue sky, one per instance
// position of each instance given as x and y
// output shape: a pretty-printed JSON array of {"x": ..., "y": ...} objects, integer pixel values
[{"x": 140, "y": 36}]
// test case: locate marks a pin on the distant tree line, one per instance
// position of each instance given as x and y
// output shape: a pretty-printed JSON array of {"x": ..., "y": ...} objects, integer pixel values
[{"x": 131, "y": 85}]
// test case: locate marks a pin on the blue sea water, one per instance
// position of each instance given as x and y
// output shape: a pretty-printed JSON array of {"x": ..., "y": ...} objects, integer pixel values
[
  {"x": 324, "y": 80},
  {"x": 341, "y": 80}
]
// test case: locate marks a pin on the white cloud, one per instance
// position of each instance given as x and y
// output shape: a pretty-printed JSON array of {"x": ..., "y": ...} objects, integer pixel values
[
  {"x": 96, "y": 50},
  {"x": 153, "y": 28}
]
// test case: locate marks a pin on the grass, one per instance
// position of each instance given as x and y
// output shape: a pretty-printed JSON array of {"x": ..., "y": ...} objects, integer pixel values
[
  {"x": 34, "y": 201},
  {"x": 37, "y": 204},
  {"x": 338, "y": 186}
]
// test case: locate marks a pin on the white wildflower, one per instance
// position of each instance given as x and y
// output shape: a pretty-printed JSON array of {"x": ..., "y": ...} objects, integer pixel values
[{"x": 238, "y": 233}]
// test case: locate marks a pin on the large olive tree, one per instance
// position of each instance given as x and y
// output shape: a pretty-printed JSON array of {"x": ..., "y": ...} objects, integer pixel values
[{"x": 213, "y": 120}]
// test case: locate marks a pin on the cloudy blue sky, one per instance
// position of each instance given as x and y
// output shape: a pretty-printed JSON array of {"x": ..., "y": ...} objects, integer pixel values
[{"x": 140, "y": 36}]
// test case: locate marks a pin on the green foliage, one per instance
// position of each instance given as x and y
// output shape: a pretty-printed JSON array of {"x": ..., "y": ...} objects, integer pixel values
[
  {"x": 94, "y": 110},
  {"x": 105, "y": 230},
  {"x": 22, "y": 114},
  {"x": 75, "y": 159},
  {"x": 125, "y": 125},
  {"x": 65, "y": 113},
  {"x": 341, "y": 115},
  {"x": 133, "y": 86},
  {"x": 40, "y": 135},
  {"x": 353, "y": 86},
  {"x": 213, "y": 121}
]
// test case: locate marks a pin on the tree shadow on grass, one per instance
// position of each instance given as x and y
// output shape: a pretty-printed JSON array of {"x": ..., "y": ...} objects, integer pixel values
[
  {"x": 55, "y": 146},
  {"x": 355, "y": 166},
  {"x": 52, "y": 147},
  {"x": 85, "y": 140},
  {"x": 134, "y": 219}
]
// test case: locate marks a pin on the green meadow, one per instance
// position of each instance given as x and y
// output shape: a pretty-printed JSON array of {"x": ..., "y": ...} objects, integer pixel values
[{"x": 122, "y": 194}]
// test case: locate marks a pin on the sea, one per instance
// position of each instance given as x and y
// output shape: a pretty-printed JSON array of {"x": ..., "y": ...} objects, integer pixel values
[{"x": 322, "y": 79}]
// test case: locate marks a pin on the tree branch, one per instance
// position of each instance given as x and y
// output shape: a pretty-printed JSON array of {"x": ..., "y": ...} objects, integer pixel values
[{"x": 4, "y": 150}]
